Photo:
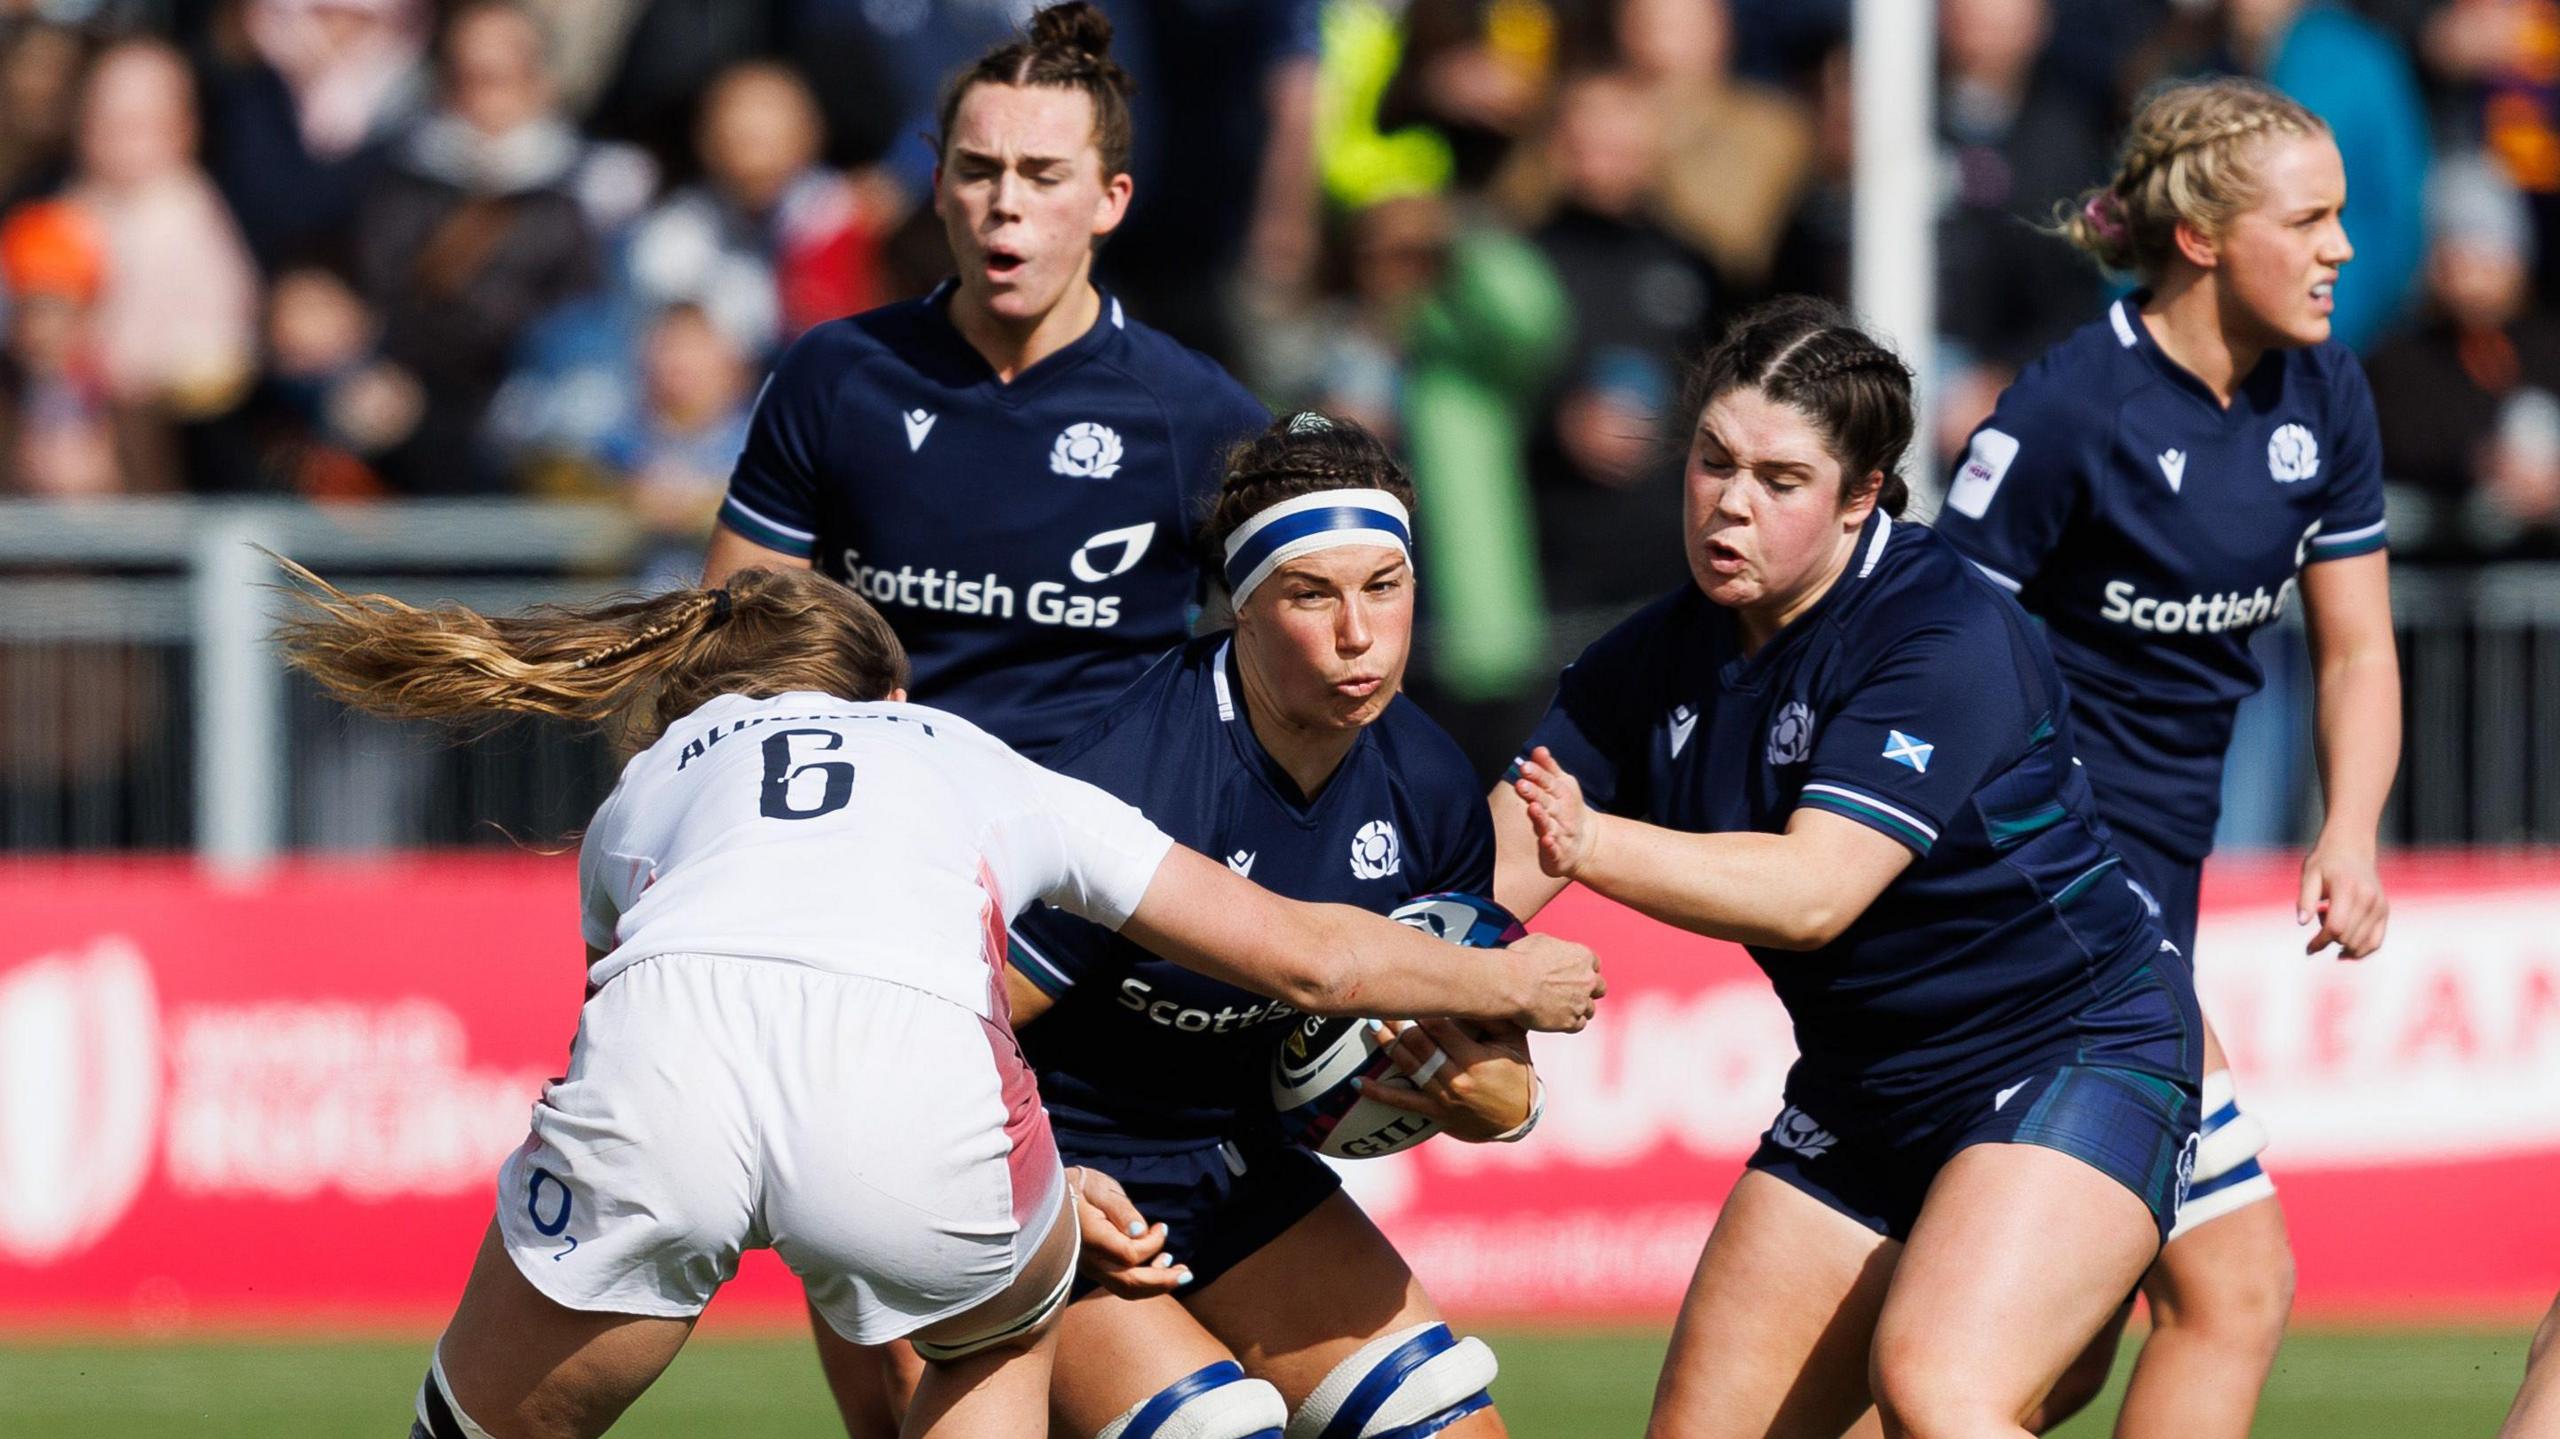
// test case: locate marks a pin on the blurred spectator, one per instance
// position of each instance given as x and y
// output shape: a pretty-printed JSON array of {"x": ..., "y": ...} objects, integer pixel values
[
  {"x": 2502, "y": 60},
  {"x": 1344, "y": 354},
  {"x": 299, "y": 125},
  {"x": 2015, "y": 138},
  {"x": 1475, "y": 71},
  {"x": 329, "y": 405},
  {"x": 1733, "y": 155},
  {"x": 674, "y": 453},
  {"x": 472, "y": 235},
  {"x": 62, "y": 433},
  {"x": 1639, "y": 301},
  {"x": 83, "y": 717},
  {"x": 39, "y": 67},
  {"x": 177, "y": 313},
  {"x": 1358, "y": 160},
  {"x": 769, "y": 242},
  {"x": 2470, "y": 401},
  {"x": 2353, "y": 74}
]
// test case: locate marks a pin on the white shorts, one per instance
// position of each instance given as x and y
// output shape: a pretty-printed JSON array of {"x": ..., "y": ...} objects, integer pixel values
[{"x": 887, "y": 1143}]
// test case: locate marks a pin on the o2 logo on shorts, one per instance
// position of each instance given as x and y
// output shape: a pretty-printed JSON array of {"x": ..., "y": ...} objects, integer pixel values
[
  {"x": 1086, "y": 450},
  {"x": 2187, "y": 1170},
  {"x": 1791, "y": 738},
  {"x": 1375, "y": 853},
  {"x": 2292, "y": 454},
  {"x": 1797, "y": 1130},
  {"x": 556, "y": 1226}
]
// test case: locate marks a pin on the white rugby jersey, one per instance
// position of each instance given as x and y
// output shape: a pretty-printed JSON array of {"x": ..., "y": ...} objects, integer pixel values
[{"x": 893, "y": 841}]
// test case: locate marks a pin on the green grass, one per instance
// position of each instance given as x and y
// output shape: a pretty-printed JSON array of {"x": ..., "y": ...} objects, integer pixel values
[{"x": 1555, "y": 1385}]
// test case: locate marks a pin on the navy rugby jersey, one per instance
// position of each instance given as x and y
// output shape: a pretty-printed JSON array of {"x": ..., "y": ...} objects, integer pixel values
[
  {"x": 1030, "y": 542},
  {"x": 1917, "y": 700},
  {"x": 2153, "y": 531},
  {"x": 1140, "y": 1055}
]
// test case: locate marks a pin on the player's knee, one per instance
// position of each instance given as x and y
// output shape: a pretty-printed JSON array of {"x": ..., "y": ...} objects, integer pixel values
[
  {"x": 2235, "y": 1301},
  {"x": 438, "y": 1416},
  {"x": 1916, "y": 1395},
  {"x": 1406, "y": 1385},
  {"x": 1218, "y": 1402}
]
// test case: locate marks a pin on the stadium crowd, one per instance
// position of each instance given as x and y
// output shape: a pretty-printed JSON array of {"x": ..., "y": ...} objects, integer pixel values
[{"x": 341, "y": 249}]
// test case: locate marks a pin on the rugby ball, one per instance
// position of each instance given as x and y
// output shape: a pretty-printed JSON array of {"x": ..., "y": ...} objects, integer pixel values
[{"x": 1312, "y": 1071}]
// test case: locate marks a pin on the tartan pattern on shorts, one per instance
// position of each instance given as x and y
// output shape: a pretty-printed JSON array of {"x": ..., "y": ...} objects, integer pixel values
[{"x": 2135, "y": 1127}]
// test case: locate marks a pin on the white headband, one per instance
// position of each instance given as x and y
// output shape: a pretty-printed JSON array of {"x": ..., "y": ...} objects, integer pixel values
[{"x": 1320, "y": 521}]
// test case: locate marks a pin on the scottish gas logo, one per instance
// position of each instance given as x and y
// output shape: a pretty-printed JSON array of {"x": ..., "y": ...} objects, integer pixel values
[{"x": 1101, "y": 557}]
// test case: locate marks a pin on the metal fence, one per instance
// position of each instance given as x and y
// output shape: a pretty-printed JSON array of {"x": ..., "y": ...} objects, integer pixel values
[{"x": 141, "y": 708}]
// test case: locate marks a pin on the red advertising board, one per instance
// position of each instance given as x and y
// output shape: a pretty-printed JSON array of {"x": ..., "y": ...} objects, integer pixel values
[{"x": 286, "y": 1102}]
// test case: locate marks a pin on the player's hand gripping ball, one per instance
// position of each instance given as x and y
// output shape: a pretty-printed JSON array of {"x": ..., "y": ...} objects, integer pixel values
[{"x": 1313, "y": 1071}]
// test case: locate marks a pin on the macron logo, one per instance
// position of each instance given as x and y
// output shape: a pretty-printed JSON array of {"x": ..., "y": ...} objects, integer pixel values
[
  {"x": 1242, "y": 862},
  {"x": 919, "y": 425},
  {"x": 1684, "y": 720},
  {"x": 2173, "y": 468}
]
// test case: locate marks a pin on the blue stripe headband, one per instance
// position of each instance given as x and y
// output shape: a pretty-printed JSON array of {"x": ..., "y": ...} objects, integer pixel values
[{"x": 1324, "y": 520}]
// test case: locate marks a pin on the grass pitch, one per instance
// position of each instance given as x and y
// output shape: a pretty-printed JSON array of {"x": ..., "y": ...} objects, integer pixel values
[{"x": 1556, "y": 1384}]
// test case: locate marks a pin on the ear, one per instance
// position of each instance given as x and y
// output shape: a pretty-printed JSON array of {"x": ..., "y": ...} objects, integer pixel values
[
  {"x": 1113, "y": 207},
  {"x": 2198, "y": 248},
  {"x": 898, "y": 696},
  {"x": 1854, "y": 513}
]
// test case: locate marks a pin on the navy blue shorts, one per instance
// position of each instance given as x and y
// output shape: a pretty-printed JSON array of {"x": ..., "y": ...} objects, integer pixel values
[
  {"x": 2168, "y": 881},
  {"x": 2120, "y": 1094},
  {"x": 1219, "y": 1203}
]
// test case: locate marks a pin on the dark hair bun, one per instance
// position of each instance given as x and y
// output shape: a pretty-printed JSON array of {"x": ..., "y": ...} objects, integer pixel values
[
  {"x": 1074, "y": 28},
  {"x": 1068, "y": 47}
]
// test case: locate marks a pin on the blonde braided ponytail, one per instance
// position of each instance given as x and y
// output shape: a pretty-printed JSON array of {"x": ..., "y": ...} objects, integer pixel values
[
  {"x": 2189, "y": 155},
  {"x": 633, "y": 663}
]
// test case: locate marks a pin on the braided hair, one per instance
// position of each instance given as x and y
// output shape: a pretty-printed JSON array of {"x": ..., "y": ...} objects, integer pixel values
[
  {"x": 1806, "y": 353},
  {"x": 1299, "y": 454},
  {"x": 636, "y": 663},
  {"x": 2191, "y": 154},
  {"x": 1068, "y": 47}
]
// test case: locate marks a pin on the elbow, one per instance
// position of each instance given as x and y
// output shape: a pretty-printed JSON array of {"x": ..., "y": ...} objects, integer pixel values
[
  {"x": 1321, "y": 976},
  {"x": 1808, "y": 927},
  {"x": 1323, "y": 986}
]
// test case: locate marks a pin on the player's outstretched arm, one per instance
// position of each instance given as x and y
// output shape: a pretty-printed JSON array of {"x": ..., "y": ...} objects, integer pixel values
[
  {"x": 1798, "y": 890},
  {"x": 1334, "y": 959}
]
